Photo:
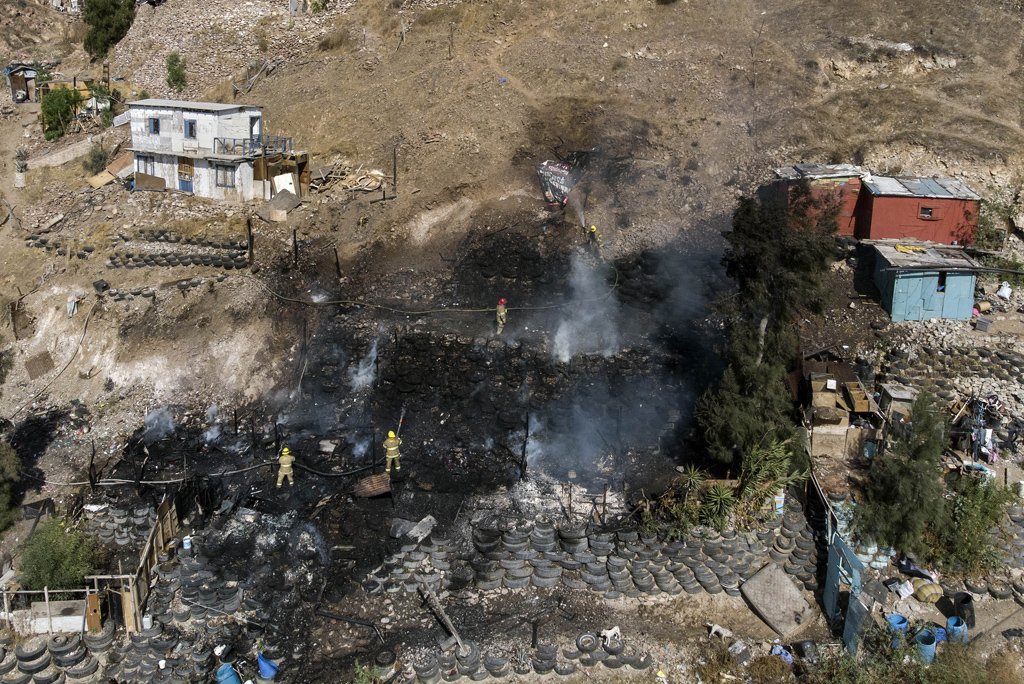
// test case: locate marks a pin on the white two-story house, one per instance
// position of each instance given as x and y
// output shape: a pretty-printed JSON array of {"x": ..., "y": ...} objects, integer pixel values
[{"x": 213, "y": 150}]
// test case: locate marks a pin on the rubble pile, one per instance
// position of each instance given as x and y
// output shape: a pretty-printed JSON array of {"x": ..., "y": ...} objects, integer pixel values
[{"x": 961, "y": 373}]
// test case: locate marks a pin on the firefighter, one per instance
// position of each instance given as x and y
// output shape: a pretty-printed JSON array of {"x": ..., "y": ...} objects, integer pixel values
[
  {"x": 595, "y": 242},
  {"x": 391, "y": 445},
  {"x": 285, "y": 471},
  {"x": 501, "y": 315}
]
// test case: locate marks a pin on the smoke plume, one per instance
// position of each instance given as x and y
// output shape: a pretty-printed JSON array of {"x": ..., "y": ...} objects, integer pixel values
[
  {"x": 159, "y": 424},
  {"x": 590, "y": 325}
]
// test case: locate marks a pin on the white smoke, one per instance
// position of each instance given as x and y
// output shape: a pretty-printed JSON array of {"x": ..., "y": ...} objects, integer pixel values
[
  {"x": 362, "y": 376},
  {"x": 212, "y": 413},
  {"x": 590, "y": 326},
  {"x": 159, "y": 424}
]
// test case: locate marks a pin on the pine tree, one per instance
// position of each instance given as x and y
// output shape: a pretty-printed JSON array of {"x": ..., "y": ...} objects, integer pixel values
[{"x": 903, "y": 494}]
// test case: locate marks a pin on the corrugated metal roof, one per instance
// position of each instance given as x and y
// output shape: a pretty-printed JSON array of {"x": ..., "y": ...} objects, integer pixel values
[
  {"x": 819, "y": 171},
  {"x": 934, "y": 256},
  {"x": 914, "y": 186},
  {"x": 192, "y": 106}
]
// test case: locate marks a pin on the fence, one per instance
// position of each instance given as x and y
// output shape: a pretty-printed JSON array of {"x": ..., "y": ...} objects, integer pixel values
[
  {"x": 63, "y": 613},
  {"x": 134, "y": 588}
]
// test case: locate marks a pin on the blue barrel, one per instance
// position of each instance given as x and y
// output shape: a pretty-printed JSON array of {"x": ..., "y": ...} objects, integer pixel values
[
  {"x": 897, "y": 622},
  {"x": 227, "y": 675},
  {"x": 956, "y": 628},
  {"x": 925, "y": 641}
]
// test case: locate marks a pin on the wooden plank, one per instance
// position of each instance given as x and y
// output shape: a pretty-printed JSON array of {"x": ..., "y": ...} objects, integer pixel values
[
  {"x": 374, "y": 485},
  {"x": 93, "y": 619}
]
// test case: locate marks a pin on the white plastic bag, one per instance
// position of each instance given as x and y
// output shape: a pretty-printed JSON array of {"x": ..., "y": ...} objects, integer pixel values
[{"x": 1004, "y": 291}]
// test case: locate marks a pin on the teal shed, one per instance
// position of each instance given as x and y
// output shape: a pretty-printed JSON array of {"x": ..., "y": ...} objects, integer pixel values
[{"x": 928, "y": 281}]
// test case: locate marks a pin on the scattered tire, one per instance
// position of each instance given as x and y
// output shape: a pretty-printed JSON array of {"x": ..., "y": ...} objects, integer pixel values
[
  {"x": 614, "y": 646},
  {"x": 37, "y": 665},
  {"x": 60, "y": 644},
  {"x": 587, "y": 642},
  {"x": 1000, "y": 590},
  {"x": 31, "y": 648}
]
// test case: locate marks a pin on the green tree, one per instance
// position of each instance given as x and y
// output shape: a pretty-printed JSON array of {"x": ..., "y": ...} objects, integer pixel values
[
  {"x": 903, "y": 494},
  {"x": 962, "y": 543},
  {"x": 10, "y": 474},
  {"x": 58, "y": 110},
  {"x": 108, "y": 22},
  {"x": 96, "y": 160},
  {"x": 57, "y": 557},
  {"x": 176, "y": 79},
  {"x": 778, "y": 258}
]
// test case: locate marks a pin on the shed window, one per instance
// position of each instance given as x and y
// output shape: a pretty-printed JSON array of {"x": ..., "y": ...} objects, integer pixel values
[
  {"x": 190, "y": 129},
  {"x": 154, "y": 126},
  {"x": 144, "y": 164},
  {"x": 941, "y": 287},
  {"x": 225, "y": 176},
  {"x": 926, "y": 212}
]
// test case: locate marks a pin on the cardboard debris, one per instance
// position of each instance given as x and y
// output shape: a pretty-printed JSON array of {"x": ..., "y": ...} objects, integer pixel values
[
  {"x": 777, "y": 600},
  {"x": 283, "y": 201},
  {"x": 101, "y": 179},
  {"x": 278, "y": 215},
  {"x": 143, "y": 181},
  {"x": 122, "y": 166},
  {"x": 286, "y": 182}
]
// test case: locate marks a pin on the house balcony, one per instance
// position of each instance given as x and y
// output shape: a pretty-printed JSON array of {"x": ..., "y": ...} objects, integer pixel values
[{"x": 251, "y": 147}]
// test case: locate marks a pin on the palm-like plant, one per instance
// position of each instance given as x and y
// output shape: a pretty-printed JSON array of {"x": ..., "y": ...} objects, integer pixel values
[
  {"x": 765, "y": 470},
  {"x": 716, "y": 504}
]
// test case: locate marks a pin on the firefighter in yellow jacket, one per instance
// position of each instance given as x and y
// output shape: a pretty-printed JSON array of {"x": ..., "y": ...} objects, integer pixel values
[
  {"x": 595, "y": 242},
  {"x": 285, "y": 461},
  {"x": 391, "y": 445}
]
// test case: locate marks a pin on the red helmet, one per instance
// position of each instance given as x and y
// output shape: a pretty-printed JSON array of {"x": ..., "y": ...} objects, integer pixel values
[{"x": 501, "y": 302}]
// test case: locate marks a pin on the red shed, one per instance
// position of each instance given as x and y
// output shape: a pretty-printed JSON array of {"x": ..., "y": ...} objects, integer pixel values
[
  {"x": 842, "y": 181},
  {"x": 941, "y": 210}
]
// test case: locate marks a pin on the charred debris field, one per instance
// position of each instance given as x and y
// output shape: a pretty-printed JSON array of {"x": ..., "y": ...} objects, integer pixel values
[{"x": 564, "y": 421}]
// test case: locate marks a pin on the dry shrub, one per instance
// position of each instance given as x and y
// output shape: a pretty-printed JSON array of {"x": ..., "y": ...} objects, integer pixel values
[
  {"x": 338, "y": 38},
  {"x": 717, "y": 662},
  {"x": 768, "y": 670},
  {"x": 1004, "y": 667}
]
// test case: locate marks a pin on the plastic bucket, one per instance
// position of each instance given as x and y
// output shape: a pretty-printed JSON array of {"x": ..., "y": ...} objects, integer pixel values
[
  {"x": 147, "y": 621},
  {"x": 186, "y": 543},
  {"x": 925, "y": 641},
  {"x": 956, "y": 628},
  {"x": 897, "y": 622},
  {"x": 227, "y": 675},
  {"x": 963, "y": 603},
  {"x": 268, "y": 670}
]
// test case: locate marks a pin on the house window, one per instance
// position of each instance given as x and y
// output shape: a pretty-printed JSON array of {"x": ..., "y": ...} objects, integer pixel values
[
  {"x": 942, "y": 282},
  {"x": 154, "y": 126},
  {"x": 225, "y": 176},
  {"x": 190, "y": 129},
  {"x": 146, "y": 165},
  {"x": 926, "y": 212}
]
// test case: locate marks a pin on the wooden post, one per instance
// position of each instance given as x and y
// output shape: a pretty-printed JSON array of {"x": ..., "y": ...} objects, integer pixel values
[
  {"x": 295, "y": 246},
  {"x": 604, "y": 506},
  {"x": 570, "y": 502},
  {"x": 7, "y": 609},
  {"x": 49, "y": 618},
  {"x": 277, "y": 437},
  {"x": 248, "y": 234},
  {"x": 337, "y": 263},
  {"x": 526, "y": 439}
]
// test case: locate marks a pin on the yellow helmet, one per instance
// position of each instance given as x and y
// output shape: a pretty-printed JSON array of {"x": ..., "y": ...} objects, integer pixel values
[
  {"x": 391, "y": 434},
  {"x": 593, "y": 229},
  {"x": 285, "y": 451}
]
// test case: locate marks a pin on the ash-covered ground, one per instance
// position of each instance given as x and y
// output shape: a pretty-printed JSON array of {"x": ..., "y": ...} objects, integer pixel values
[{"x": 580, "y": 405}]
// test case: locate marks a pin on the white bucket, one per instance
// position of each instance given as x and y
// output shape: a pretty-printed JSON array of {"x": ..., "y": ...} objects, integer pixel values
[
  {"x": 147, "y": 621},
  {"x": 186, "y": 543}
]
